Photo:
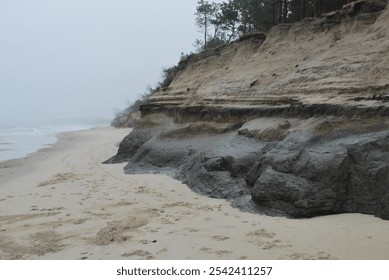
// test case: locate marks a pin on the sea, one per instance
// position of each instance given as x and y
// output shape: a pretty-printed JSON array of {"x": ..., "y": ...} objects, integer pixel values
[{"x": 20, "y": 139}]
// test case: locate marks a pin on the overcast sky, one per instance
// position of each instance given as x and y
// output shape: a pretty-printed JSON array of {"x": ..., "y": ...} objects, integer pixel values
[{"x": 86, "y": 58}]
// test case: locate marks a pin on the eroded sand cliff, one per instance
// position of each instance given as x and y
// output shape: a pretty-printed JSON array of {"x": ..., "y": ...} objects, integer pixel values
[{"x": 295, "y": 122}]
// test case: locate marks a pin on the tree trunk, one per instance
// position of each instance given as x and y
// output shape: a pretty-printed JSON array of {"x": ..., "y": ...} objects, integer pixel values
[
  {"x": 285, "y": 10},
  {"x": 315, "y": 8},
  {"x": 279, "y": 11},
  {"x": 274, "y": 12},
  {"x": 205, "y": 30}
]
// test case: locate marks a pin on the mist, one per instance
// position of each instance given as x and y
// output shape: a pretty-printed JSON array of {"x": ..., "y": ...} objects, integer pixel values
[{"x": 86, "y": 58}]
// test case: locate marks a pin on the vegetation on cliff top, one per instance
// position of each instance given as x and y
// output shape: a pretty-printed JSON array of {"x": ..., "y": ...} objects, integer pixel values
[{"x": 222, "y": 22}]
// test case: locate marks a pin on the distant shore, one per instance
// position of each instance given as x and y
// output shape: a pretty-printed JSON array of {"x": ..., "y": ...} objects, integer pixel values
[{"x": 62, "y": 203}]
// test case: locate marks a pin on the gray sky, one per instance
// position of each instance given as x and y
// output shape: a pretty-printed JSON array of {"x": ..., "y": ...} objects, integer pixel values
[{"x": 84, "y": 58}]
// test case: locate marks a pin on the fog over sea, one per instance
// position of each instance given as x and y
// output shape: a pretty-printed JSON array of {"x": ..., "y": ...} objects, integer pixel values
[{"x": 20, "y": 139}]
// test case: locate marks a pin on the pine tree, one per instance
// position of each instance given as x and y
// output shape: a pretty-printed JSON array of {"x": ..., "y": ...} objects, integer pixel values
[{"x": 205, "y": 14}]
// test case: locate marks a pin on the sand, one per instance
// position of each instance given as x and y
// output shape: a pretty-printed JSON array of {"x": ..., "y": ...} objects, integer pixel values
[{"x": 62, "y": 203}]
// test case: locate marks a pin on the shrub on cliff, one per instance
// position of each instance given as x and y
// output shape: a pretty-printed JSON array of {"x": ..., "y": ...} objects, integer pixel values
[
  {"x": 127, "y": 117},
  {"x": 168, "y": 75}
]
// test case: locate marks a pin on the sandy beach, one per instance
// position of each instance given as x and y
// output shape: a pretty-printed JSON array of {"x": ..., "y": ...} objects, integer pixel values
[{"x": 62, "y": 203}]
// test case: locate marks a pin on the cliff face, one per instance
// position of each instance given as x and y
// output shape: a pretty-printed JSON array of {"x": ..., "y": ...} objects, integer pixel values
[
  {"x": 338, "y": 59},
  {"x": 293, "y": 123}
]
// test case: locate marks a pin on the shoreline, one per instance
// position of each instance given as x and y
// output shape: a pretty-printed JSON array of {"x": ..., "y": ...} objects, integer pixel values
[
  {"x": 27, "y": 159},
  {"x": 62, "y": 203},
  {"x": 17, "y": 142}
]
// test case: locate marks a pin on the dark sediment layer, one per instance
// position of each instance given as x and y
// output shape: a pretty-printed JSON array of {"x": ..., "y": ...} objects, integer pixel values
[
  {"x": 299, "y": 167},
  {"x": 222, "y": 114}
]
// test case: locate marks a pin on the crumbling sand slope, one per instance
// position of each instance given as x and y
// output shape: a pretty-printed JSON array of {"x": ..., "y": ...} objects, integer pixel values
[{"x": 340, "y": 58}]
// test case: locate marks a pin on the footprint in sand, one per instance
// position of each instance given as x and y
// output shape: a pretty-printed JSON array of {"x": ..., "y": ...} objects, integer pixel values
[
  {"x": 220, "y": 253},
  {"x": 178, "y": 204},
  {"x": 52, "y": 209},
  {"x": 267, "y": 245},
  {"x": 166, "y": 221},
  {"x": 60, "y": 178},
  {"x": 117, "y": 231},
  {"x": 323, "y": 256},
  {"x": 154, "y": 212},
  {"x": 223, "y": 253},
  {"x": 220, "y": 238},
  {"x": 205, "y": 249},
  {"x": 304, "y": 256},
  {"x": 192, "y": 229},
  {"x": 80, "y": 221},
  {"x": 142, "y": 190},
  {"x": 163, "y": 250},
  {"x": 264, "y": 239},
  {"x": 139, "y": 253},
  {"x": 205, "y": 208},
  {"x": 46, "y": 242},
  {"x": 261, "y": 233},
  {"x": 124, "y": 203}
]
